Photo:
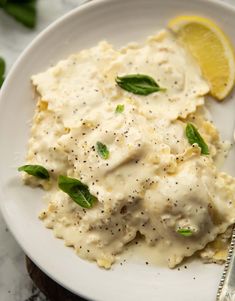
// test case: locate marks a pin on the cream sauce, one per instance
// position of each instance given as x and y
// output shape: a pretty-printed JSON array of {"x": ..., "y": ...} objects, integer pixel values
[{"x": 154, "y": 182}]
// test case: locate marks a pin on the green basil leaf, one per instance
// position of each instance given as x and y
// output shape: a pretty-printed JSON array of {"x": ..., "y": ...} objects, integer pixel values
[
  {"x": 185, "y": 232},
  {"x": 1, "y": 80},
  {"x": 2, "y": 2},
  {"x": 23, "y": 11},
  {"x": 194, "y": 137},
  {"x": 78, "y": 191},
  {"x": 138, "y": 84},
  {"x": 35, "y": 170},
  {"x": 2, "y": 71},
  {"x": 102, "y": 150},
  {"x": 2, "y": 67},
  {"x": 119, "y": 108}
]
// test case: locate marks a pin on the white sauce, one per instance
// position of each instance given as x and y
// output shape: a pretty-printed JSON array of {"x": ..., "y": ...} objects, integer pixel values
[{"x": 154, "y": 182}]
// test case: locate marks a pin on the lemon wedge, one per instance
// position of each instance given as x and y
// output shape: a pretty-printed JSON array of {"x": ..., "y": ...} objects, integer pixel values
[{"x": 211, "y": 48}]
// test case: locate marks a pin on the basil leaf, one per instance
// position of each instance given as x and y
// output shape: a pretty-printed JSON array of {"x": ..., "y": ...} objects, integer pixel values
[
  {"x": 102, "y": 150},
  {"x": 23, "y": 11},
  {"x": 138, "y": 84},
  {"x": 2, "y": 66},
  {"x": 185, "y": 232},
  {"x": 1, "y": 81},
  {"x": 2, "y": 2},
  {"x": 78, "y": 191},
  {"x": 119, "y": 108},
  {"x": 2, "y": 71},
  {"x": 35, "y": 170},
  {"x": 194, "y": 137}
]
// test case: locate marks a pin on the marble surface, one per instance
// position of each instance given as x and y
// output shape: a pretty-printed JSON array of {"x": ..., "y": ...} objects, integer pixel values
[{"x": 15, "y": 284}]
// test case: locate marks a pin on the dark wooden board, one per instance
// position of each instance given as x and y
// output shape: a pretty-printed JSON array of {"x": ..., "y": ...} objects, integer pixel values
[{"x": 52, "y": 290}]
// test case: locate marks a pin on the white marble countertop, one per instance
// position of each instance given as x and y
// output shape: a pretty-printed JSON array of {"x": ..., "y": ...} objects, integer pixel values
[{"x": 15, "y": 284}]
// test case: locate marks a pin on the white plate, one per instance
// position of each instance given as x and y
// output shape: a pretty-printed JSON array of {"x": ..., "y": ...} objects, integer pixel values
[{"x": 119, "y": 22}]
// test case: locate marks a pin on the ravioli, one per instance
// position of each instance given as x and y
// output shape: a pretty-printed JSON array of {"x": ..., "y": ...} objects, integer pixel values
[{"x": 154, "y": 182}]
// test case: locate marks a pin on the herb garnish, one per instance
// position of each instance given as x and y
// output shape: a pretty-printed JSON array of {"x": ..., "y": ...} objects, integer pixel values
[
  {"x": 119, "y": 108},
  {"x": 36, "y": 171},
  {"x": 78, "y": 191},
  {"x": 194, "y": 137},
  {"x": 185, "y": 232},
  {"x": 2, "y": 70},
  {"x": 102, "y": 150},
  {"x": 24, "y": 11},
  {"x": 138, "y": 84}
]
